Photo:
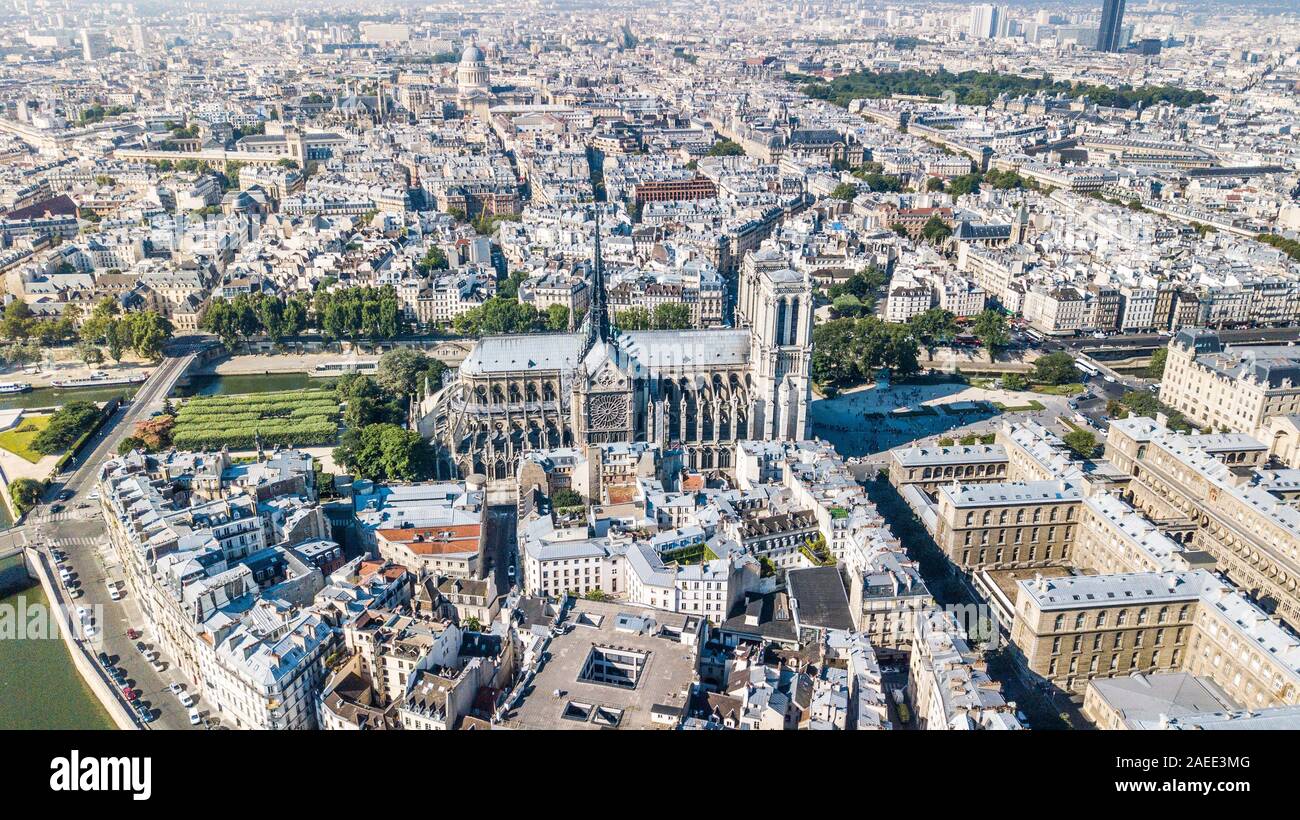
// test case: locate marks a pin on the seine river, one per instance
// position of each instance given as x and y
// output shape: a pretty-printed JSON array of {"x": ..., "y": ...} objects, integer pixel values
[{"x": 39, "y": 686}]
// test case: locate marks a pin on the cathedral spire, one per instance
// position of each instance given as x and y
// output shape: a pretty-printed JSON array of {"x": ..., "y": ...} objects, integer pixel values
[{"x": 598, "y": 312}]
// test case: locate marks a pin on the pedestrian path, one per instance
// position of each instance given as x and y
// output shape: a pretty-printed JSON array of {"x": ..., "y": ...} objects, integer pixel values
[{"x": 79, "y": 541}]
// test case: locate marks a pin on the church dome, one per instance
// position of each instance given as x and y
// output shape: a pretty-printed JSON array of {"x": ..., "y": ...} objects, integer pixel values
[{"x": 472, "y": 54}]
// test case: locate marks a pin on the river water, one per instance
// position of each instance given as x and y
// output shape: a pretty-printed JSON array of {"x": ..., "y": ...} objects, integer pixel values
[{"x": 39, "y": 686}]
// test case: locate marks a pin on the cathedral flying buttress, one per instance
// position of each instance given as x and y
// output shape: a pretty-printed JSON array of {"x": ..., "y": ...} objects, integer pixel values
[{"x": 697, "y": 391}]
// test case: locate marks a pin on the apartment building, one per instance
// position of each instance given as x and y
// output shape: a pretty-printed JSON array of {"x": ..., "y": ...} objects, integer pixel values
[
  {"x": 1008, "y": 525},
  {"x": 948, "y": 683},
  {"x": 1235, "y": 388},
  {"x": 928, "y": 468},
  {"x": 1070, "y": 630},
  {"x": 433, "y": 528},
  {"x": 1216, "y": 493}
]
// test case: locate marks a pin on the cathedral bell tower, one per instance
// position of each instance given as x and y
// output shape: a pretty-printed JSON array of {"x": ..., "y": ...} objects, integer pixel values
[{"x": 775, "y": 303}]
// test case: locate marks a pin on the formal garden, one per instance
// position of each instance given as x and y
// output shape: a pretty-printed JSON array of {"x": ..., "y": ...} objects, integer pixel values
[{"x": 298, "y": 418}]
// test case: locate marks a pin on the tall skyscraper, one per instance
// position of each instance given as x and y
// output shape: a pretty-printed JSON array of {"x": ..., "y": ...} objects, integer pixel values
[
  {"x": 983, "y": 21},
  {"x": 1112, "y": 19},
  {"x": 89, "y": 46}
]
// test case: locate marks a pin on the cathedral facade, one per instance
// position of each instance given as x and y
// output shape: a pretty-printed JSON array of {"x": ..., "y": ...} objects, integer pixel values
[{"x": 696, "y": 391}]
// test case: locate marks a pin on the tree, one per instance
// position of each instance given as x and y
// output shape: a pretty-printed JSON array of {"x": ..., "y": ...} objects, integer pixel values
[
  {"x": 565, "y": 497},
  {"x": 402, "y": 371},
  {"x": 877, "y": 181},
  {"x": 834, "y": 360},
  {"x": 672, "y": 316},
  {"x": 847, "y": 305},
  {"x": 966, "y": 184},
  {"x": 726, "y": 148},
  {"x": 65, "y": 427},
  {"x": 155, "y": 433},
  {"x": 1156, "y": 369},
  {"x": 1081, "y": 443},
  {"x": 115, "y": 336},
  {"x": 128, "y": 444},
  {"x": 509, "y": 287},
  {"x": 21, "y": 353},
  {"x": 1055, "y": 368},
  {"x": 933, "y": 328},
  {"x": 89, "y": 353},
  {"x": 1014, "y": 381},
  {"x": 990, "y": 327},
  {"x": 18, "y": 320},
  {"x": 934, "y": 184},
  {"x": 847, "y": 351},
  {"x": 635, "y": 318},
  {"x": 149, "y": 332},
  {"x": 557, "y": 318},
  {"x": 864, "y": 284},
  {"x": 233, "y": 320},
  {"x": 935, "y": 230},
  {"x": 433, "y": 260},
  {"x": 498, "y": 315},
  {"x": 385, "y": 452},
  {"x": 360, "y": 313},
  {"x": 472, "y": 624},
  {"x": 26, "y": 494},
  {"x": 367, "y": 402},
  {"x": 844, "y": 191}
]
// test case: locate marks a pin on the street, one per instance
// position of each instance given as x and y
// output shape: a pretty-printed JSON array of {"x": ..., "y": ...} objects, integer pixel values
[
  {"x": 499, "y": 552},
  {"x": 79, "y": 532}
]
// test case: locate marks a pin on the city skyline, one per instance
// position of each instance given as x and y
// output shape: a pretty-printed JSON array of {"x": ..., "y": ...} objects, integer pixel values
[{"x": 757, "y": 366}]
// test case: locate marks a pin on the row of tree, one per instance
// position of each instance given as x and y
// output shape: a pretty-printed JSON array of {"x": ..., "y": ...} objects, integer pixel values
[
  {"x": 983, "y": 87},
  {"x": 849, "y": 351},
  {"x": 349, "y": 313},
  {"x": 143, "y": 331},
  {"x": 665, "y": 316},
  {"x": 506, "y": 314},
  {"x": 236, "y": 320},
  {"x": 21, "y": 324}
]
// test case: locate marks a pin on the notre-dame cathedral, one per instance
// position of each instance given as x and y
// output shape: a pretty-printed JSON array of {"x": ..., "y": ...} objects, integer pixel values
[{"x": 697, "y": 391}]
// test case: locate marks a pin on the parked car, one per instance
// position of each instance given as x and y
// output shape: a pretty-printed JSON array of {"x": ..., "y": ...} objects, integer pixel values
[
  {"x": 187, "y": 700},
  {"x": 175, "y": 689},
  {"x": 56, "y": 508},
  {"x": 195, "y": 719},
  {"x": 128, "y": 693}
]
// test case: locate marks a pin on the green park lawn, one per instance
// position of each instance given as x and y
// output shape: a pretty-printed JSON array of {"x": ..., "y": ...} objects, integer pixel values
[
  {"x": 1072, "y": 389},
  {"x": 18, "y": 439}
]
